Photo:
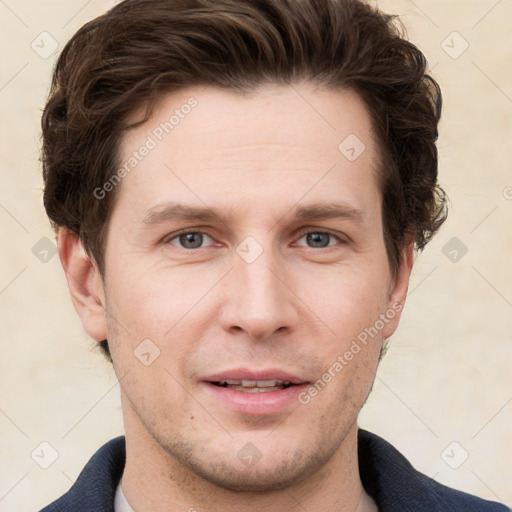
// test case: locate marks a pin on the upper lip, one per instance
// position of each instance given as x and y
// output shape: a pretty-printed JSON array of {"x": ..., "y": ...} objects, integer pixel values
[{"x": 254, "y": 375}]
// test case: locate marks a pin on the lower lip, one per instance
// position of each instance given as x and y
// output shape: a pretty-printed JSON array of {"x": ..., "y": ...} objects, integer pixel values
[{"x": 266, "y": 402}]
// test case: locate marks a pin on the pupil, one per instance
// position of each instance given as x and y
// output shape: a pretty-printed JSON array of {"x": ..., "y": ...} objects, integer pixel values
[
  {"x": 316, "y": 239},
  {"x": 187, "y": 240}
]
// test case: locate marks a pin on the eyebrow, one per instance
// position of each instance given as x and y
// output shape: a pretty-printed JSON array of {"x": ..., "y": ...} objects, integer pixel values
[
  {"x": 180, "y": 212},
  {"x": 176, "y": 211},
  {"x": 323, "y": 211}
]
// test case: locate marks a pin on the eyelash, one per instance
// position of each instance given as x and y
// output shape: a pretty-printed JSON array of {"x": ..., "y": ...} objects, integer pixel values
[{"x": 302, "y": 234}]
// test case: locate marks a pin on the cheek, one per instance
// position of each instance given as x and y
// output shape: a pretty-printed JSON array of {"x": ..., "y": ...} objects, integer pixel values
[
  {"x": 348, "y": 300},
  {"x": 152, "y": 301},
  {"x": 170, "y": 307}
]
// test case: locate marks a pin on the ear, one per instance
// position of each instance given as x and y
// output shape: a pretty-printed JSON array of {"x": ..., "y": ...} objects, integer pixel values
[
  {"x": 84, "y": 283},
  {"x": 398, "y": 291}
]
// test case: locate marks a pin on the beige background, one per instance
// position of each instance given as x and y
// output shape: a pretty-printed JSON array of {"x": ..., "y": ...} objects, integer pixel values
[{"x": 447, "y": 376}]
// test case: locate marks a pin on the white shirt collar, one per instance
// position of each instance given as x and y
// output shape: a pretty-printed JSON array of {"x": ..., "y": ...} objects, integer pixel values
[{"x": 121, "y": 503}]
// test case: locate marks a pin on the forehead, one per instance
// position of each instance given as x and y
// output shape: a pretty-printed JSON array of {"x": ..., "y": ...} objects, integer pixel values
[
  {"x": 205, "y": 142},
  {"x": 269, "y": 114}
]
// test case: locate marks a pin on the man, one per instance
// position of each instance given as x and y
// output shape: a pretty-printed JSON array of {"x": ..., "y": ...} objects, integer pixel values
[{"x": 238, "y": 188}]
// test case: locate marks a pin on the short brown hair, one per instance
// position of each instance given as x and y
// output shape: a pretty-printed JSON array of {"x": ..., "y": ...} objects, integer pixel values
[{"x": 142, "y": 49}]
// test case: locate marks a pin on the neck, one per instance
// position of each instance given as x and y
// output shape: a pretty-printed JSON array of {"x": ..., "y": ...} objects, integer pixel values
[{"x": 154, "y": 480}]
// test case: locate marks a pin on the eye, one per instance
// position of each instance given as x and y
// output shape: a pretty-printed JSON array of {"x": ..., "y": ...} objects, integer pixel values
[
  {"x": 189, "y": 239},
  {"x": 195, "y": 239},
  {"x": 319, "y": 239}
]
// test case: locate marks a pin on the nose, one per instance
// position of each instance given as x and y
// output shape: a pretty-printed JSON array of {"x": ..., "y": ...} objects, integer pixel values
[{"x": 259, "y": 298}]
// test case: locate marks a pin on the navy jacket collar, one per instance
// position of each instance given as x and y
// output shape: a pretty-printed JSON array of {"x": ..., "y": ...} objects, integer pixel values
[{"x": 396, "y": 486}]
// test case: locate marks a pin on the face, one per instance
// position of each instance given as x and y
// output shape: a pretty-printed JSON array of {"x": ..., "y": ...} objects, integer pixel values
[{"x": 247, "y": 281}]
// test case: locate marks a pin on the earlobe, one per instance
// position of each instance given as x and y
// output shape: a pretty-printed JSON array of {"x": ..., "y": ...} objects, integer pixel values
[
  {"x": 85, "y": 284},
  {"x": 398, "y": 293}
]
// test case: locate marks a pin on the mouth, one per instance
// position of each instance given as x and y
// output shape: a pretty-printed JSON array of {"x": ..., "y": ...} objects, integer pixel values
[
  {"x": 254, "y": 386},
  {"x": 264, "y": 392}
]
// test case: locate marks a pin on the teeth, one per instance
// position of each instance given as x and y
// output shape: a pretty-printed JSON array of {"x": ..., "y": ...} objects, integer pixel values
[
  {"x": 268, "y": 383},
  {"x": 254, "y": 386},
  {"x": 255, "y": 389},
  {"x": 230, "y": 382}
]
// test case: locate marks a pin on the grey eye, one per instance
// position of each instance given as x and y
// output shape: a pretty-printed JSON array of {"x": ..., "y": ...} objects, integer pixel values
[
  {"x": 319, "y": 239},
  {"x": 190, "y": 240}
]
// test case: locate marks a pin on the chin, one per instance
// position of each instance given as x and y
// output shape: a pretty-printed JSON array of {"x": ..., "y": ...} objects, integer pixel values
[
  {"x": 281, "y": 471},
  {"x": 280, "y": 476}
]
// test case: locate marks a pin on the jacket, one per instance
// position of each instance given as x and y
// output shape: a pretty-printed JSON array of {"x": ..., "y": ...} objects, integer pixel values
[{"x": 386, "y": 475}]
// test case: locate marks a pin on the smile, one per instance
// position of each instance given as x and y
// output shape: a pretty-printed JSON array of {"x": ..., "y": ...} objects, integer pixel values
[
  {"x": 254, "y": 392},
  {"x": 254, "y": 386}
]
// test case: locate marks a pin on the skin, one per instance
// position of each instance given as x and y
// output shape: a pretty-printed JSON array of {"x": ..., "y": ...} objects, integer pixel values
[{"x": 297, "y": 306}]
